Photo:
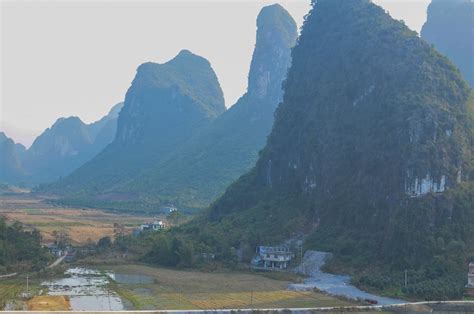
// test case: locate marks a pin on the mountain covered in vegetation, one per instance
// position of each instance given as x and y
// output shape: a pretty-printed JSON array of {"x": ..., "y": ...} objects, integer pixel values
[
  {"x": 200, "y": 170},
  {"x": 371, "y": 156},
  {"x": 450, "y": 28},
  {"x": 165, "y": 105},
  {"x": 11, "y": 153}
]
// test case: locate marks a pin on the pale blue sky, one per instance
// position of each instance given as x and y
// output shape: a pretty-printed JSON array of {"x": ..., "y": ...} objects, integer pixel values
[{"x": 63, "y": 58}]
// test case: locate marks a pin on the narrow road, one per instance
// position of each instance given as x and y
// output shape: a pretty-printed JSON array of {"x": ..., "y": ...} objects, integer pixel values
[
  {"x": 8, "y": 275},
  {"x": 54, "y": 264},
  {"x": 57, "y": 262}
]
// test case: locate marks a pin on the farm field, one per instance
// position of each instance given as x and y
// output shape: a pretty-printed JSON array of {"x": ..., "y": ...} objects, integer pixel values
[
  {"x": 12, "y": 288},
  {"x": 187, "y": 290},
  {"x": 81, "y": 225},
  {"x": 48, "y": 303}
]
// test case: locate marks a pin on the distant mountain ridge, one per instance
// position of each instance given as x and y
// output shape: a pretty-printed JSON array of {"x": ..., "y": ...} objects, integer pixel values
[
  {"x": 193, "y": 172},
  {"x": 62, "y": 148},
  {"x": 165, "y": 105},
  {"x": 10, "y": 160},
  {"x": 450, "y": 28}
]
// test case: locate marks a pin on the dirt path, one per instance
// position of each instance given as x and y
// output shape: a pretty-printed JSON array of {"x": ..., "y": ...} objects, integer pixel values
[{"x": 57, "y": 262}]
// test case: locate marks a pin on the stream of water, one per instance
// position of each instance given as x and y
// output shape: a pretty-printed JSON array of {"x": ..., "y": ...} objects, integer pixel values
[{"x": 337, "y": 285}]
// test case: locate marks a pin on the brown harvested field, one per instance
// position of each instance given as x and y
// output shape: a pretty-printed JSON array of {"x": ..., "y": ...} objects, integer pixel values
[
  {"x": 81, "y": 225},
  {"x": 48, "y": 303}
]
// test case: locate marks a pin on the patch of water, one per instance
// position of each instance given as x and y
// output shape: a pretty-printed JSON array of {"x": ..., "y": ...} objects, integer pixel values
[
  {"x": 337, "y": 285},
  {"x": 87, "y": 290},
  {"x": 131, "y": 279}
]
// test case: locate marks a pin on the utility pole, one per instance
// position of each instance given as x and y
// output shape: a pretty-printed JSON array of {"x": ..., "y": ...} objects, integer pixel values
[
  {"x": 406, "y": 278},
  {"x": 27, "y": 286}
]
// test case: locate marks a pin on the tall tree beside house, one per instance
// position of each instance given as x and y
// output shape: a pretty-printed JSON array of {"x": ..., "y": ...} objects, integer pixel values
[
  {"x": 450, "y": 28},
  {"x": 371, "y": 155}
]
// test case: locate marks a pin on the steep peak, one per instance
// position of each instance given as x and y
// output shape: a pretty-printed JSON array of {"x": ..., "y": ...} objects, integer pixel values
[
  {"x": 276, "y": 34},
  {"x": 72, "y": 120},
  {"x": 275, "y": 17},
  {"x": 183, "y": 60},
  {"x": 187, "y": 56},
  {"x": 4, "y": 138},
  {"x": 188, "y": 73}
]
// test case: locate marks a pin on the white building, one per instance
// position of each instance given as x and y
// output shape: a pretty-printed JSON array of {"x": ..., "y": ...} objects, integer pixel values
[
  {"x": 155, "y": 226},
  {"x": 470, "y": 275},
  {"x": 273, "y": 257}
]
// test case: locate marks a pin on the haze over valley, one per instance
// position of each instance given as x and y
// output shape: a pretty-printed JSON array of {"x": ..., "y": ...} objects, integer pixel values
[{"x": 341, "y": 176}]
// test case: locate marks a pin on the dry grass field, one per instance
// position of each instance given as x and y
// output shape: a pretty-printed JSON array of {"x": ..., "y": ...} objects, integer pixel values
[
  {"x": 81, "y": 225},
  {"x": 48, "y": 303},
  {"x": 187, "y": 290}
]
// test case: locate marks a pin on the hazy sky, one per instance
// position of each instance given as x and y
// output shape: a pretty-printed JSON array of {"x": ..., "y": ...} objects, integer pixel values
[{"x": 63, "y": 58}]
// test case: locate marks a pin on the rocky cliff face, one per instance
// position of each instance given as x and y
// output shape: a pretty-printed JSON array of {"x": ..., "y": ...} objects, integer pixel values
[
  {"x": 165, "y": 105},
  {"x": 205, "y": 165},
  {"x": 276, "y": 35},
  {"x": 450, "y": 28}
]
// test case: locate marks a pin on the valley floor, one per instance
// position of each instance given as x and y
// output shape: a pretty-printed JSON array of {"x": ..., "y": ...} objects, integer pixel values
[
  {"x": 194, "y": 290},
  {"x": 162, "y": 289},
  {"x": 81, "y": 225}
]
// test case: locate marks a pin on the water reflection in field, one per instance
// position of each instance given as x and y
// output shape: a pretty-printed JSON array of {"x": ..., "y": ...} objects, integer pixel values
[{"x": 87, "y": 290}]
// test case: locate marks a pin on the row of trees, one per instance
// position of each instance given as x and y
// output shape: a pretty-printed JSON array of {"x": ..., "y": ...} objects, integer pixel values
[{"x": 20, "y": 249}]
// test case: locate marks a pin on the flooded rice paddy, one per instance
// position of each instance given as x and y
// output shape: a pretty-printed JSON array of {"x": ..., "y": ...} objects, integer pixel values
[{"x": 88, "y": 289}]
